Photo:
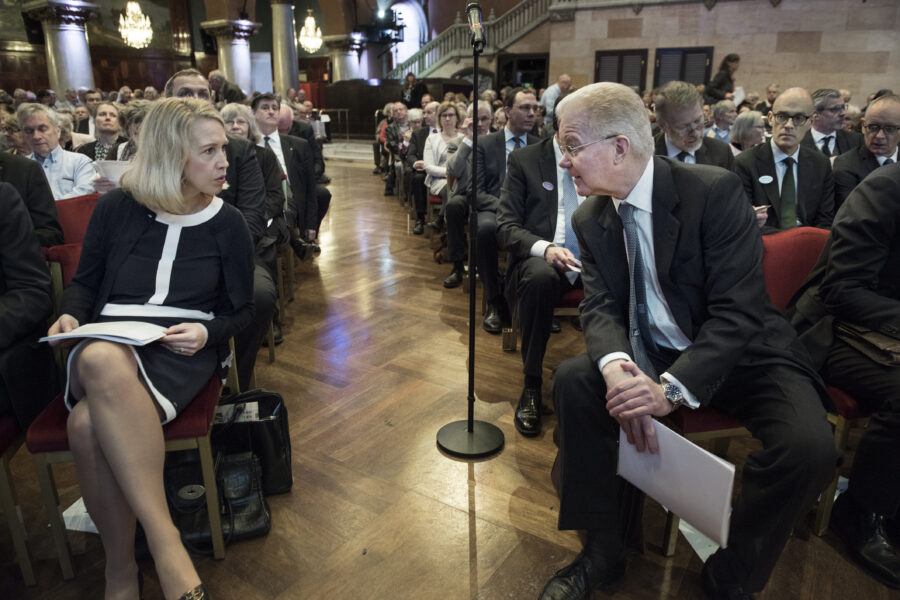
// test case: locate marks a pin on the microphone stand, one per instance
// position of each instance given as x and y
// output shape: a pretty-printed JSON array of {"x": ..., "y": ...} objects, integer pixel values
[{"x": 471, "y": 438}]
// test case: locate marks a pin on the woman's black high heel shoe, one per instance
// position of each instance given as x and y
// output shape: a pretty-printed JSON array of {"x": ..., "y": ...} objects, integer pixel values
[{"x": 198, "y": 593}]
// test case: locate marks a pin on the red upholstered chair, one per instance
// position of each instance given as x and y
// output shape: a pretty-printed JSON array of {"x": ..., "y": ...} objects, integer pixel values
[
  {"x": 48, "y": 441},
  {"x": 74, "y": 215},
  {"x": 788, "y": 257},
  {"x": 10, "y": 442}
]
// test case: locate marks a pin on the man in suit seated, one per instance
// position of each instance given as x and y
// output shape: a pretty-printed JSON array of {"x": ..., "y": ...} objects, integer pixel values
[
  {"x": 807, "y": 197},
  {"x": 679, "y": 113},
  {"x": 303, "y": 130},
  {"x": 672, "y": 270},
  {"x": 534, "y": 225},
  {"x": 827, "y": 133},
  {"x": 881, "y": 131},
  {"x": 224, "y": 91},
  {"x": 29, "y": 180},
  {"x": 493, "y": 153},
  {"x": 415, "y": 161},
  {"x": 772, "y": 91},
  {"x": 69, "y": 174},
  {"x": 92, "y": 100},
  {"x": 855, "y": 284}
]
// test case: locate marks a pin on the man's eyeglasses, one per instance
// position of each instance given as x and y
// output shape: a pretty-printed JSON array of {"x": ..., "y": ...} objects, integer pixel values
[
  {"x": 834, "y": 109},
  {"x": 696, "y": 125},
  {"x": 874, "y": 128},
  {"x": 572, "y": 151},
  {"x": 799, "y": 119}
]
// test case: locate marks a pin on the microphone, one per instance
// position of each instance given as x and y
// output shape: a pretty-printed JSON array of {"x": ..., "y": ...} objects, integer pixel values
[{"x": 473, "y": 12}]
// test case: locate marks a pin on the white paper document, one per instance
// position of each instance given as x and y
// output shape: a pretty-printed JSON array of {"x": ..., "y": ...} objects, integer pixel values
[
  {"x": 739, "y": 96},
  {"x": 111, "y": 169},
  {"x": 691, "y": 482},
  {"x": 133, "y": 333}
]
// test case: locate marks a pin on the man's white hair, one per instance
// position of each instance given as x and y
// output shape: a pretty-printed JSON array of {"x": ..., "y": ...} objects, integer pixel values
[{"x": 609, "y": 108}]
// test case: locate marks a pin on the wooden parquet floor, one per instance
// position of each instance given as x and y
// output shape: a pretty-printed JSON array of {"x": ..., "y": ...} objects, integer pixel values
[{"x": 373, "y": 364}]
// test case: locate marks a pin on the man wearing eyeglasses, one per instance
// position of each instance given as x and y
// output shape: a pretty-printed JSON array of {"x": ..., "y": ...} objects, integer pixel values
[
  {"x": 675, "y": 315},
  {"x": 881, "y": 131},
  {"x": 679, "y": 113},
  {"x": 789, "y": 184},
  {"x": 828, "y": 134}
]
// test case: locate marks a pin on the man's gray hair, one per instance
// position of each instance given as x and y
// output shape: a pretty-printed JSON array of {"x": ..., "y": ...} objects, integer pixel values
[
  {"x": 676, "y": 95},
  {"x": 415, "y": 114},
  {"x": 820, "y": 97},
  {"x": 743, "y": 125},
  {"x": 216, "y": 74},
  {"x": 607, "y": 109},
  {"x": 29, "y": 110},
  {"x": 481, "y": 104},
  {"x": 722, "y": 107}
]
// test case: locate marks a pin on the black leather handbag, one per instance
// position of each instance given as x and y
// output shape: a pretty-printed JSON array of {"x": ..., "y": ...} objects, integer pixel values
[
  {"x": 243, "y": 509},
  {"x": 257, "y": 421}
]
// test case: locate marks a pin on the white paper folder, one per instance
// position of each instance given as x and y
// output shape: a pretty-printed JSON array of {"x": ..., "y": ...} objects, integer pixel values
[{"x": 691, "y": 482}]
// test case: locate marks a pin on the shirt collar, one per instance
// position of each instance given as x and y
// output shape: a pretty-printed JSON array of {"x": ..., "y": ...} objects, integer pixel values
[
  {"x": 780, "y": 156},
  {"x": 818, "y": 135},
  {"x": 273, "y": 138},
  {"x": 54, "y": 156},
  {"x": 510, "y": 135},
  {"x": 641, "y": 195},
  {"x": 881, "y": 159},
  {"x": 672, "y": 150}
]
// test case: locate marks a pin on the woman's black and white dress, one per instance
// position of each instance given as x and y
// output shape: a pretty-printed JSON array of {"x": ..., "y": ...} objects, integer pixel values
[{"x": 176, "y": 269}]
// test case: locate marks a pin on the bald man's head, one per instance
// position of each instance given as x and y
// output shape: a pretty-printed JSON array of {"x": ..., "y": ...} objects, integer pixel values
[{"x": 790, "y": 118}]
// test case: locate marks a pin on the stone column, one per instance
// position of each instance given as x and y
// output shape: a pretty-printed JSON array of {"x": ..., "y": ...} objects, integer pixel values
[
  {"x": 68, "y": 56},
  {"x": 284, "y": 46},
  {"x": 233, "y": 40},
  {"x": 343, "y": 51}
]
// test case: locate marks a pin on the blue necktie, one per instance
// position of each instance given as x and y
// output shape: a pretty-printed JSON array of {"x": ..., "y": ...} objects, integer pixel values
[
  {"x": 638, "y": 318},
  {"x": 570, "y": 203}
]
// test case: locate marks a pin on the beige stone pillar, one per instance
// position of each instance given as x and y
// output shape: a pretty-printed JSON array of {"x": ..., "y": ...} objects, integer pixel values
[
  {"x": 68, "y": 56},
  {"x": 233, "y": 40},
  {"x": 284, "y": 46},
  {"x": 343, "y": 51}
]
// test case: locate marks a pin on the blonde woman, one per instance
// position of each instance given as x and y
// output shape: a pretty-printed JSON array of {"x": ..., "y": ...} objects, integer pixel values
[
  {"x": 162, "y": 249},
  {"x": 435, "y": 153}
]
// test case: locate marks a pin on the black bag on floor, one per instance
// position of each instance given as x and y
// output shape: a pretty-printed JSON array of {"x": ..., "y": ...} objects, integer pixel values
[
  {"x": 242, "y": 508},
  {"x": 257, "y": 421}
]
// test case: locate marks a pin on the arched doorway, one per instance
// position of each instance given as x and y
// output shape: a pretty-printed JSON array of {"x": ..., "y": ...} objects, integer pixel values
[{"x": 415, "y": 31}]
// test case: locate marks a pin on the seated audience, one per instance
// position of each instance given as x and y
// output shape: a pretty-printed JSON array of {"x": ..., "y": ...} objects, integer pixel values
[
  {"x": 397, "y": 132},
  {"x": 70, "y": 174},
  {"x": 789, "y": 184},
  {"x": 679, "y": 115},
  {"x": 772, "y": 91},
  {"x": 881, "y": 131},
  {"x": 28, "y": 378},
  {"x": 827, "y": 133},
  {"x": 119, "y": 395},
  {"x": 499, "y": 120},
  {"x": 150, "y": 93},
  {"x": 435, "y": 153},
  {"x": 15, "y": 140},
  {"x": 415, "y": 160},
  {"x": 29, "y": 181},
  {"x": 724, "y": 114},
  {"x": 70, "y": 139},
  {"x": 131, "y": 116},
  {"x": 749, "y": 130},
  {"x": 853, "y": 289},
  {"x": 69, "y": 100},
  {"x": 106, "y": 126},
  {"x": 852, "y": 117},
  {"x": 125, "y": 95},
  {"x": 708, "y": 330}
]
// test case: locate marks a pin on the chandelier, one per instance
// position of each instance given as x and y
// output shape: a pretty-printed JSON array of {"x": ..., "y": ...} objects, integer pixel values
[
  {"x": 134, "y": 26},
  {"x": 310, "y": 35}
]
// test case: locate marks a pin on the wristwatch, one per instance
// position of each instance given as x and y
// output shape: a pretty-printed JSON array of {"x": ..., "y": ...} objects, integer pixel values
[{"x": 673, "y": 394}]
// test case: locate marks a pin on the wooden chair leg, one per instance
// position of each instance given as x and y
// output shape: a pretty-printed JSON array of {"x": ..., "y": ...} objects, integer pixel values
[
  {"x": 212, "y": 496},
  {"x": 279, "y": 274},
  {"x": 271, "y": 340},
  {"x": 44, "y": 470},
  {"x": 670, "y": 536},
  {"x": 290, "y": 275},
  {"x": 14, "y": 519},
  {"x": 822, "y": 515}
]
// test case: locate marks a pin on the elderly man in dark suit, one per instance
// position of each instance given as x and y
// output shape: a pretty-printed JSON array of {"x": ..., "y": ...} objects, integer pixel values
[
  {"x": 534, "y": 225},
  {"x": 303, "y": 130},
  {"x": 29, "y": 180},
  {"x": 855, "y": 285},
  {"x": 492, "y": 156},
  {"x": 679, "y": 113},
  {"x": 672, "y": 268},
  {"x": 881, "y": 128},
  {"x": 415, "y": 161},
  {"x": 827, "y": 133},
  {"x": 788, "y": 183}
]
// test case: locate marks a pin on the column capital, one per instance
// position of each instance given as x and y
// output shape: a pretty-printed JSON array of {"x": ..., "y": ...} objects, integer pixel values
[
  {"x": 344, "y": 42},
  {"x": 68, "y": 12},
  {"x": 236, "y": 29}
]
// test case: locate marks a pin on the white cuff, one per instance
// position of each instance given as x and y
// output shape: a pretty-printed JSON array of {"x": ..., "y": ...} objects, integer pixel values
[
  {"x": 539, "y": 248},
  {"x": 611, "y": 357},
  {"x": 689, "y": 399},
  {"x": 467, "y": 142}
]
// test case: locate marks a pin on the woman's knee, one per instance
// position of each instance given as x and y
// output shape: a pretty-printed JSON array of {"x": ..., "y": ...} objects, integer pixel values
[{"x": 100, "y": 361}]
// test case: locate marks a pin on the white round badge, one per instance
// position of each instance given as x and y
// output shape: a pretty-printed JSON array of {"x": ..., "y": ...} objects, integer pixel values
[
  {"x": 766, "y": 179},
  {"x": 548, "y": 186}
]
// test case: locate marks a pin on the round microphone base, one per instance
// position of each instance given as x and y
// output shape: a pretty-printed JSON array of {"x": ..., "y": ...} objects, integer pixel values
[{"x": 456, "y": 440}]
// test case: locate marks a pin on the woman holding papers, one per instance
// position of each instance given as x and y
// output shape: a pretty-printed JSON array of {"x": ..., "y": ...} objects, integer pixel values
[{"x": 162, "y": 249}]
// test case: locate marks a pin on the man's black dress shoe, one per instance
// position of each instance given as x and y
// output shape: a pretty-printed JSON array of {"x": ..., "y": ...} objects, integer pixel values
[
  {"x": 277, "y": 333},
  {"x": 576, "y": 323},
  {"x": 437, "y": 225},
  {"x": 528, "y": 412},
  {"x": 864, "y": 535},
  {"x": 493, "y": 321},
  {"x": 555, "y": 327},
  {"x": 454, "y": 279},
  {"x": 579, "y": 580},
  {"x": 717, "y": 590},
  {"x": 419, "y": 227},
  {"x": 300, "y": 248}
]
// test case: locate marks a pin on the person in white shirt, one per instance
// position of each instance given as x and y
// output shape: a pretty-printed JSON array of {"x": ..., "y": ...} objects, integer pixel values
[
  {"x": 70, "y": 174},
  {"x": 548, "y": 98}
]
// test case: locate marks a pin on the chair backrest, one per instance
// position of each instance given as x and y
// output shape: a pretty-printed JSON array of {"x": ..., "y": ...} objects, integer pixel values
[
  {"x": 788, "y": 257},
  {"x": 74, "y": 214}
]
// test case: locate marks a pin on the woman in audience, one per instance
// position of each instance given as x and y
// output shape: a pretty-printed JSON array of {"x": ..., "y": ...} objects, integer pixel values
[
  {"x": 106, "y": 127},
  {"x": 435, "y": 153},
  {"x": 131, "y": 116},
  {"x": 499, "y": 121},
  {"x": 722, "y": 85},
  {"x": 165, "y": 250},
  {"x": 748, "y": 130},
  {"x": 15, "y": 141}
]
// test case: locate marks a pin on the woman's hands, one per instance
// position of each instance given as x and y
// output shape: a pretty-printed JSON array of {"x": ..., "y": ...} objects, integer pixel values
[
  {"x": 104, "y": 184},
  {"x": 185, "y": 338},
  {"x": 64, "y": 324}
]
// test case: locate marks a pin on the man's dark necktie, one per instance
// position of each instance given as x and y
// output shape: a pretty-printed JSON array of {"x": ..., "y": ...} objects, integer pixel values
[
  {"x": 638, "y": 317},
  {"x": 682, "y": 155},
  {"x": 518, "y": 143},
  {"x": 788, "y": 196},
  {"x": 826, "y": 145},
  {"x": 888, "y": 161},
  {"x": 267, "y": 139},
  {"x": 570, "y": 202}
]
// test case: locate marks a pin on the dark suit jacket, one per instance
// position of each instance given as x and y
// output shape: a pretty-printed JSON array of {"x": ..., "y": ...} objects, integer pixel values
[
  {"x": 246, "y": 188},
  {"x": 709, "y": 263},
  {"x": 231, "y": 92},
  {"x": 491, "y": 162},
  {"x": 27, "y": 372},
  {"x": 711, "y": 152},
  {"x": 844, "y": 140},
  {"x": 28, "y": 178},
  {"x": 298, "y": 158},
  {"x": 850, "y": 168},
  {"x": 815, "y": 185},
  {"x": 855, "y": 279},
  {"x": 83, "y": 126},
  {"x": 90, "y": 148},
  {"x": 417, "y": 145},
  {"x": 304, "y": 130}
]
